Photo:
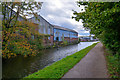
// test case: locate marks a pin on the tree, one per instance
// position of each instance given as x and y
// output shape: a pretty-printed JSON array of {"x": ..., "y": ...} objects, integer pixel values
[
  {"x": 103, "y": 20},
  {"x": 14, "y": 10},
  {"x": 16, "y": 30}
]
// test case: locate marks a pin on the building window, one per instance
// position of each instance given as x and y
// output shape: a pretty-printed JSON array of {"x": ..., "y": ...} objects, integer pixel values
[{"x": 57, "y": 38}]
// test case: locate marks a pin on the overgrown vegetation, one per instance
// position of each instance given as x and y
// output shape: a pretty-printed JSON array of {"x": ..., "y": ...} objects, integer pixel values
[
  {"x": 58, "y": 69},
  {"x": 103, "y": 20},
  {"x": 17, "y": 32},
  {"x": 64, "y": 43},
  {"x": 113, "y": 64},
  {"x": 18, "y": 40}
]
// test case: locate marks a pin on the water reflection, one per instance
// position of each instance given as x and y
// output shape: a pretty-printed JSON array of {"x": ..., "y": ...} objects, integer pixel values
[{"x": 20, "y": 67}]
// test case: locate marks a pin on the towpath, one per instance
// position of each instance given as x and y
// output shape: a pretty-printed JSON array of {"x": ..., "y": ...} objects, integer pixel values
[{"x": 93, "y": 65}]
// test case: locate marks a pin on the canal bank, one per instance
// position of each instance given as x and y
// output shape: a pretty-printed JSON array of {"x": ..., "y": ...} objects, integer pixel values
[
  {"x": 19, "y": 67},
  {"x": 59, "y": 68}
]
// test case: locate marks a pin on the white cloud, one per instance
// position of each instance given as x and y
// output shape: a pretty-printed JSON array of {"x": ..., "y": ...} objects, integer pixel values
[
  {"x": 72, "y": 21},
  {"x": 56, "y": 4},
  {"x": 50, "y": 16},
  {"x": 59, "y": 12}
]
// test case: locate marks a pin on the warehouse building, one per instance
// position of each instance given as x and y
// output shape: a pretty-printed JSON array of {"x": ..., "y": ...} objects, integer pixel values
[
  {"x": 44, "y": 27},
  {"x": 57, "y": 33},
  {"x": 64, "y": 34}
]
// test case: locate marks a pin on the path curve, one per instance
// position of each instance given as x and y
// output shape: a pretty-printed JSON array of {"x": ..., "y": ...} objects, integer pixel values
[{"x": 93, "y": 65}]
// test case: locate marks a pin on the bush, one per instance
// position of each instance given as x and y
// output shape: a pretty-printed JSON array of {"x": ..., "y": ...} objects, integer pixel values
[
  {"x": 65, "y": 42},
  {"x": 17, "y": 40},
  {"x": 16, "y": 45}
]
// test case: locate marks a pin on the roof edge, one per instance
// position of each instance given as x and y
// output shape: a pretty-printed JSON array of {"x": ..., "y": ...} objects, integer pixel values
[{"x": 67, "y": 29}]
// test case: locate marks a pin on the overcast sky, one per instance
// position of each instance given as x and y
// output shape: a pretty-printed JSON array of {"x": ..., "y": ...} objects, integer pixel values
[{"x": 59, "y": 12}]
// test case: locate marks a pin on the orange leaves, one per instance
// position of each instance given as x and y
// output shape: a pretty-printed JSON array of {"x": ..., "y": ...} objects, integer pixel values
[
  {"x": 96, "y": 5},
  {"x": 16, "y": 44},
  {"x": 22, "y": 48},
  {"x": 16, "y": 40},
  {"x": 6, "y": 53}
]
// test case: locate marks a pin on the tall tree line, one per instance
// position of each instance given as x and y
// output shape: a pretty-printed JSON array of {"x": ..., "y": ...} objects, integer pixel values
[{"x": 103, "y": 20}]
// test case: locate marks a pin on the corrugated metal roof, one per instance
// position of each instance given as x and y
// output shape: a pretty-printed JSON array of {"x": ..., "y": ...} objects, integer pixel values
[
  {"x": 42, "y": 18},
  {"x": 58, "y": 27},
  {"x": 55, "y": 26}
]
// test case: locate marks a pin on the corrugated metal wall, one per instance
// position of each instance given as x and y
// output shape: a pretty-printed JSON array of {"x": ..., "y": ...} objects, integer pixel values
[
  {"x": 44, "y": 26},
  {"x": 59, "y": 34}
]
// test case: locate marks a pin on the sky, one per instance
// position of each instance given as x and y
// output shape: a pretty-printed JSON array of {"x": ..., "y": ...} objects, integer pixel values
[{"x": 59, "y": 12}]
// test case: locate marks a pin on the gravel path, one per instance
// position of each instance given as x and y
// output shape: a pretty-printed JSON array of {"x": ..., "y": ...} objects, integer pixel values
[{"x": 93, "y": 65}]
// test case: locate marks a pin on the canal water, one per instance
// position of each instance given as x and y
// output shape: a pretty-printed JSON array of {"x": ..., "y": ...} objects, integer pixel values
[{"x": 20, "y": 66}]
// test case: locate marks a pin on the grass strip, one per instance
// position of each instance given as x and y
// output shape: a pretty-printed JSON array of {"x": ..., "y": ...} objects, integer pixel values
[
  {"x": 113, "y": 64},
  {"x": 59, "y": 68}
]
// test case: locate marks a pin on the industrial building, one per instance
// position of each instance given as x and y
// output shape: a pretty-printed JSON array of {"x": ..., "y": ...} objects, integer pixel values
[
  {"x": 64, "y": 34},
  {"x": 44, "y": 27},
  {"x": 57, "y": 33}
]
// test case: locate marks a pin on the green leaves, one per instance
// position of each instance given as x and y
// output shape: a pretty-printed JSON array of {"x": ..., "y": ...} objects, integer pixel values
[
  {"x": 12, "y": 11},
  {"x": 103, "y": 19}
]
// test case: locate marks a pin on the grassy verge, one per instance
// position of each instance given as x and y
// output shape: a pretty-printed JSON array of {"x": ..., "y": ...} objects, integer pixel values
[
  {"x": 113, "y": 64},
  {"x": 58, "y": 69}
]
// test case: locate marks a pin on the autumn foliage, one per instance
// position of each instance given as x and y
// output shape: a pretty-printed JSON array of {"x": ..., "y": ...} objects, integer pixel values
[{"x": 17, "y": 40}]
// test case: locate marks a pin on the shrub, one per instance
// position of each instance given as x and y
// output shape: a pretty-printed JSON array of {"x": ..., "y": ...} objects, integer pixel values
[{"x": 17, "y": 40}]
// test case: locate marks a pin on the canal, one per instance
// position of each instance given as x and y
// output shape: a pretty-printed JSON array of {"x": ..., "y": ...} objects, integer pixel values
[{"x": 20, "y": 66}]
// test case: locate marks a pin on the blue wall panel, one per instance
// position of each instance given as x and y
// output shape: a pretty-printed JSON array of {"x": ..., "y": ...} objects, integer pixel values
[{"x": 63, "y": 33}]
